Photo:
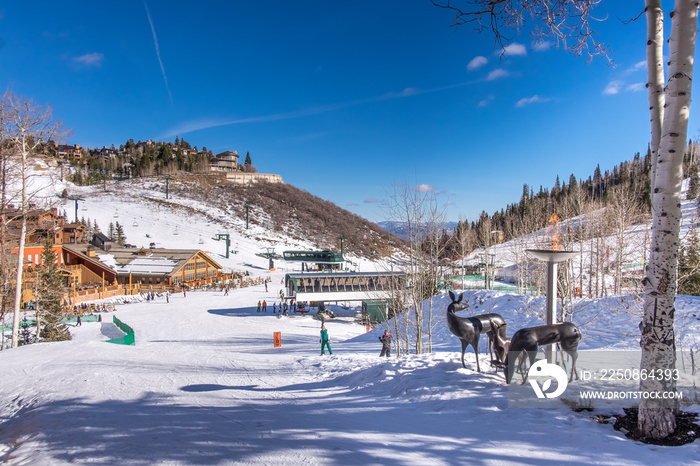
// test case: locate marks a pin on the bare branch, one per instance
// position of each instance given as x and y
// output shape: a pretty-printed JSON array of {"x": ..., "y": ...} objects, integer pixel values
[{"x": 566, "y": 22}]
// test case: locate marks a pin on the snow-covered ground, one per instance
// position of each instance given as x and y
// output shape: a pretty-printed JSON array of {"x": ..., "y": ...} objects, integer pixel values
[{"x": 204, "y": 384}]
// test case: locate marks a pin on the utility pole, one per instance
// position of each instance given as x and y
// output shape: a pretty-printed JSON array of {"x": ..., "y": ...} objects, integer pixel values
[{"x": 247, "y": 207}]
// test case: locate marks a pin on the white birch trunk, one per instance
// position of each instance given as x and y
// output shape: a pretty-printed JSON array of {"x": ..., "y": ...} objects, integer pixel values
[
  {"x": 657, "y": 417},
  {"x": 20, "y": 252},
  {"x": 655, "y": 78}
]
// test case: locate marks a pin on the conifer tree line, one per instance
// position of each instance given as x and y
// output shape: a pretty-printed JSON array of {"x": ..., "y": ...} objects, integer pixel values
[
  {"x": 610, "y": 201},
  {"x": 566, "y": 199},
  {"x": 137, "y": 159},
  {"x": 115, "y": 230}
]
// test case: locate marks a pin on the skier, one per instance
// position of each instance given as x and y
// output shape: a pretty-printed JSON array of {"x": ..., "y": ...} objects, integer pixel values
[
  {"x": 80, "y": 321},
  {"x": 258, "y": 306},
  {"x": 386, "y": 345},
  {"x": 325, "y": 341},
  {"x": 264, "y": 308}
]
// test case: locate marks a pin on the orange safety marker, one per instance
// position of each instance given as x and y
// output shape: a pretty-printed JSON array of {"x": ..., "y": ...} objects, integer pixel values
[{"x": 278, "y": 339}]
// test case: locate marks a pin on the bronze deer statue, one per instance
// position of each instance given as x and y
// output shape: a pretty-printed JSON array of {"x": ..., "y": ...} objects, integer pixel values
[
  {"x": 501, "y": 344},
  {"x": 529, "y": 339},
  {"x": 470, "y": 329}
]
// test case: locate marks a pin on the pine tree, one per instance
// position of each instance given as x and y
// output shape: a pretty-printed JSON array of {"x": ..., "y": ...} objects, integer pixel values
[
  {"x": 247, "y": 159},
  {"x": 119, "y": 236},
  {"x": 689, "y": 266},
  {"x": 110, "y": 231},
  {"x": 49, "y": 296},
  {"x": 95, "y": 227},
  {"x": 88, "y": 228}
]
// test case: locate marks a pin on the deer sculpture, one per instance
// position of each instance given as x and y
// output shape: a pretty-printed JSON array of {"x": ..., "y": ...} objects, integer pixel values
[
  {"x": 470, "y": 329},
  {"x": 501, "y": 344},
  {"x": 529, "y": 339}
]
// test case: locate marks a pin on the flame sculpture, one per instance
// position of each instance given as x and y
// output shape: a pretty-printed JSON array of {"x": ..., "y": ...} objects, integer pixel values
[{"x": 553, "y": 231}]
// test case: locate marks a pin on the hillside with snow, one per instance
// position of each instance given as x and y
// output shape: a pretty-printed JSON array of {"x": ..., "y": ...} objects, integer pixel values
[
  {"x": 204, "y": 384},
  {"x": 191, "y": 211}
]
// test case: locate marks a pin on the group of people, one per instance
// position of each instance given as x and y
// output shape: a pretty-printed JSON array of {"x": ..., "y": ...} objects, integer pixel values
[
  {"x": 84, "y": 308},
  {"x": 262, "y": 307},
  {"x": 283, "y": 307}
]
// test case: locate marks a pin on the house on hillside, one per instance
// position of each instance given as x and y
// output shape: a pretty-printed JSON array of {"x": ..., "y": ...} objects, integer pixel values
[
  {"x": 70, "y": 233},
  {"x": 42, "y": 225},
  {"x": 224, "y": 162},
  {"x": 64, "y": 151}
]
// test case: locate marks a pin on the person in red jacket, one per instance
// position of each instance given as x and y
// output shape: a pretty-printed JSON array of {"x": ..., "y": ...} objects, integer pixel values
[{"x": 386, "y": 345}]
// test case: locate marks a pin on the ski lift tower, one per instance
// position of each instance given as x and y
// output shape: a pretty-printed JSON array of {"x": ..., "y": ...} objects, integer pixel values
[
  {"x": 167, "y": 180},
  {"x": 226, "y": 237},
  {"x": 76, "y": 199},
  {"x": 269, "y": 255}
]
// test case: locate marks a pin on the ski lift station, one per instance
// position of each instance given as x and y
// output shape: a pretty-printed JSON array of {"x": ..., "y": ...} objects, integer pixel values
[
  {"x": 323, "y": 259},
  {"x": 343, "y": 286}
]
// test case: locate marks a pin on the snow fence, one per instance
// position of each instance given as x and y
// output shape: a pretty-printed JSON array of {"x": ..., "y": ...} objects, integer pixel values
[{"x": 127, "y": 339}]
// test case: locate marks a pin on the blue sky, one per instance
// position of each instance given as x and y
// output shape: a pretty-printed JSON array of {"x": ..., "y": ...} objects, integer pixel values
[{"x": 342, "y": 98}]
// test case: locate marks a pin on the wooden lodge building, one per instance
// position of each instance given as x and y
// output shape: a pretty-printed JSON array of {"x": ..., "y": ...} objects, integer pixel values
[
  {"x": 157, "y": 266},
  {"x": 101, "y": 264}
]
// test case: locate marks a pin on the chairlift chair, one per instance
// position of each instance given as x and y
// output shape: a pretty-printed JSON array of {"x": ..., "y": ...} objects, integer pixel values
[
  {"x": 201, "y": 241},
  {"x": 136, "y": 224},
  {"x": 175, "y": 232}
]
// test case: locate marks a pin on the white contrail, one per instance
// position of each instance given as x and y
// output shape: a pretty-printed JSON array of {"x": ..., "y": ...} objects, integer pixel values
[
  {"x": 196, "y": 125},
  {"x": 155, "y": 41}
]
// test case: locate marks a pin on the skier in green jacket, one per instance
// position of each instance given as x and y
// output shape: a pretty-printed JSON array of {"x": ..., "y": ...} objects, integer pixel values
[{"x": 325, "y": 341}]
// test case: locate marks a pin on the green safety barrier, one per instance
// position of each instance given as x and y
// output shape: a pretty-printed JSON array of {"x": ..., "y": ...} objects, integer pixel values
[
  {"x": 468, "y": 277},
  {"x": 127, "y": 339},
  {"x": 29, "y": 323}
]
